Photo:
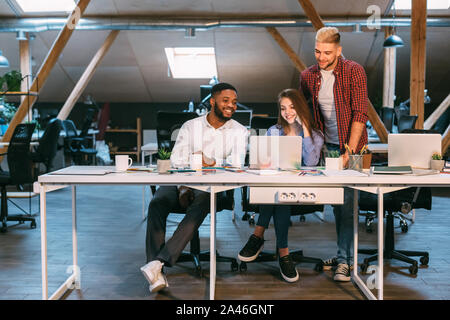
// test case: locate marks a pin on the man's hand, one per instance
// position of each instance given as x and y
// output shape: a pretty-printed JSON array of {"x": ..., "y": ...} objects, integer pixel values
[
  {"x": 345, "y": 160},
  {"x": 208, "y": 162},
  {"x": 185, "y": 196}
]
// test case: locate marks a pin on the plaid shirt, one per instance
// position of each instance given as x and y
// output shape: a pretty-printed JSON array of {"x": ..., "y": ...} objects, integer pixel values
[{"x": 350, "y": 97}]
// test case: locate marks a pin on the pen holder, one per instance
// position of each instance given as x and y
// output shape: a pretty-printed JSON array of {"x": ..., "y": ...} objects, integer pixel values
[
  {"x": 355, "y": 162},
  {"x": 367, "y": 160}
]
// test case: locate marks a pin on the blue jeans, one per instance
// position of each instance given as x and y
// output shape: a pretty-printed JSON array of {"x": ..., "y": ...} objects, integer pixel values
[
  {"x": 343, "y": 215},
  {"x": 281, "y": 218}
]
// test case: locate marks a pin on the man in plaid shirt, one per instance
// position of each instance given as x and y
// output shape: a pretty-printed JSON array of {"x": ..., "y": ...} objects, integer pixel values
[{"x": 338, "y": 90}]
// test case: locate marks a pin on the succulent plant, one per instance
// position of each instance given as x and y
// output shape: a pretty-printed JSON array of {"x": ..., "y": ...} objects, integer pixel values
[
  {"x": 333, "y": 154},
  {"x": 436, "y": 156},
  {"x": 164, "y": 154}
]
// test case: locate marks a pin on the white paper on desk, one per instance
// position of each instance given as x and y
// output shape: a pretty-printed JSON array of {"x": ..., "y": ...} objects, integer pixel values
[
  {"x": 82, "y": 171},
  {"x": 343, "y": 173},
  {"x": 423, "y": 172},
  {"x": 263, "y": 172}
]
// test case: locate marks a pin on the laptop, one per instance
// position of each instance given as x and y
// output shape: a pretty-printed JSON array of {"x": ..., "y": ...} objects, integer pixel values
[
  {"x": 415, "y": 150},
  {"x": 275, "y": 152}
]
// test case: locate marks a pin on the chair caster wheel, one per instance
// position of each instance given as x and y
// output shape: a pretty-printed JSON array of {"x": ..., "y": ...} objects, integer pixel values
[
  {"x": 251, "y": 221},
  {"x": 404, "y": 226},
  {"x": 424, "y": 260},
  {"x": 245, "y": 217},
  {"x": 234, "y": 266},
  {"x": 369, "y": 223},
  {"x": 413, "y": 269},
  {"x": 243, "y": 267},
  {"x": 318, "y": 267},
  {"x": 33, "y": 225},
  {"x": 302, "y": 218},
  {"x": 364, "y": 267}
]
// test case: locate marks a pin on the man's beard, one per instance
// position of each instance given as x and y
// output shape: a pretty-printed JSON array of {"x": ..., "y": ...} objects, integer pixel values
[
  {"x": 329, "y": 64},
  {"x": 219, "y": 114}
]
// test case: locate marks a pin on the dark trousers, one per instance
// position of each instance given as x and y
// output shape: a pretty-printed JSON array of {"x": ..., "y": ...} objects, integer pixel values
[{"x": 164, "y": 202}]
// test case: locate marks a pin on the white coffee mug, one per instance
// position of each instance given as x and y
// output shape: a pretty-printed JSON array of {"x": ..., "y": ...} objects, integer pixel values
[
  {"x": 123, "y": 162},
  {"x": 196, "y": 161}
]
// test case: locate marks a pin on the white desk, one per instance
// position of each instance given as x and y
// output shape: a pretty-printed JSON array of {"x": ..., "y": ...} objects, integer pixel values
[{"x": 222, "y": 181}]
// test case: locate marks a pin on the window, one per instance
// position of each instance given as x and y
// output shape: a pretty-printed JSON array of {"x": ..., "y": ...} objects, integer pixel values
[
  {"x": 192, "y": 63},
  {"x": 30, "y": 6},
  {"x": 431, "y": 4}
]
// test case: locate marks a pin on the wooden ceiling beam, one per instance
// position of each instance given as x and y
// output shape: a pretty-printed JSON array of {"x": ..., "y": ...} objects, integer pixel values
[
  {"x": 418, "y": 60},
  {"x": 86, "y": 77},
  {"x": 437, "y": 113},
  {"x": 312, "y": 14},
  {"x": 47, "y": 66}
]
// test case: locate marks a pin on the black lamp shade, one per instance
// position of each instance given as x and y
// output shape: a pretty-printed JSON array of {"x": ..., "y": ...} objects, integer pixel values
[{"x": 393, "y": 41}]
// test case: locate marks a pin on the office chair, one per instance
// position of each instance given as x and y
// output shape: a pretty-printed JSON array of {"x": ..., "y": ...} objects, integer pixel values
[
  {"x": 167, "y": 125},
  {"x": 48, "y": 145},
  {"x": 258, "y": 126},
  {"x": 406, "y": 122},
  {"x": 387, "y": 115},
  {"x": 76, "y": 146},
  {"x": 397, "y": 205},
  {"x": 297, "y": 255},
  {"x": 398, "y": 201},
  {"x": 225, "y": 201},
  {"x": 20, "y": 171}
]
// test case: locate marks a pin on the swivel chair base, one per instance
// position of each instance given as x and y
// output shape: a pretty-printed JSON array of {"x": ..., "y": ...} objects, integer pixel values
[
  {"x": 391, "y": 253},
  {"x": 196, "y": 256}
]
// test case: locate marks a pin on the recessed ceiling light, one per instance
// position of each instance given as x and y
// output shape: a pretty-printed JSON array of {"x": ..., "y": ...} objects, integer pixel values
[{"x": 35, "y": 6}]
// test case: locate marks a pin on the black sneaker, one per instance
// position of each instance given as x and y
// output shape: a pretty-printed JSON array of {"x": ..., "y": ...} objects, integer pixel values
[
  {"x": 251, "y": 249},
  {"x": 287, "y": 269},
  {"x": 342, "y": 272},
  {"x": 330, "y": 264}
]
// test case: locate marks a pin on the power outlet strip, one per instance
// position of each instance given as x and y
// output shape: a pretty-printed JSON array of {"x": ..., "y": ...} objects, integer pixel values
[{"x": 267, "y": 195}]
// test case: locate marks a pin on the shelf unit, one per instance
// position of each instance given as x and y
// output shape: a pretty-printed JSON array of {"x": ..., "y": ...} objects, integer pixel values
[{"x": 138, "y": 132}]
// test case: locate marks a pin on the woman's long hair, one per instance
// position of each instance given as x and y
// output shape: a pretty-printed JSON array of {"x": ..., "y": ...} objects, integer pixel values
[{"x": 300, "y": 106}]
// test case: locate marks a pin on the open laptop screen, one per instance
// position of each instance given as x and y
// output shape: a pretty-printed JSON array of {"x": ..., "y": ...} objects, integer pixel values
[
  {"x": 415, "y": 150},
  {"x": 275, "y": 152}
]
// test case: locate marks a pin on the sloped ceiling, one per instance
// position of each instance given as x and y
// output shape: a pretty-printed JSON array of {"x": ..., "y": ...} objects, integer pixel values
[{"x": 135, "y": 68}]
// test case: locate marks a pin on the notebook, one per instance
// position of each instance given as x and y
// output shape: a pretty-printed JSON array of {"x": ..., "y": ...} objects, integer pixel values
[
  {"x": 275, "y": 152},
  {"x": 83, "y": 170},
  {"x": 415, "y": 150},
  {"x": 392, "y": 170}
]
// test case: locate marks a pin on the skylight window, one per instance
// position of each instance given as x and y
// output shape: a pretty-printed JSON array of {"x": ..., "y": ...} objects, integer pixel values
[
  {"x": 33, "y": 6},
  {"x": 431, "y": 4},
  {"x": 192, "y": 63}
]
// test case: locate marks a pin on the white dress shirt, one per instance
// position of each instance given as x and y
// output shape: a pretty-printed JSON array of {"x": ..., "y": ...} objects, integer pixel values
[{"x": 226, "y": 145}]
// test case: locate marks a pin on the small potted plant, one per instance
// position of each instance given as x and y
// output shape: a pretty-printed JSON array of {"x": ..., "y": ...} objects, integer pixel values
[
  {"x": 13, "y": 80},
  {"x": 437, "y": 163},
  {"x": 333, "y": 160},
  {"x": 163, "y": 163}
]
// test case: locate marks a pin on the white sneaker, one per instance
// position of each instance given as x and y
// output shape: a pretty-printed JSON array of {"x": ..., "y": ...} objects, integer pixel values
[{"x": 152, "y": 272}]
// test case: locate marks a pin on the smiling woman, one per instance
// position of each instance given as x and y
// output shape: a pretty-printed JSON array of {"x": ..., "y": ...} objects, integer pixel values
[{"x": 30, "y": 6}]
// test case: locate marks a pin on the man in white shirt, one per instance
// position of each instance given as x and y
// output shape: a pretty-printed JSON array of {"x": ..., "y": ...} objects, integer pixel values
[{"x": 221, "y": 140}]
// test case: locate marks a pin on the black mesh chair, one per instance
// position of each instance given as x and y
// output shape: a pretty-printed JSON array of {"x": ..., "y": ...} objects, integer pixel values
[
  {"x": 20, "y": 172},
  {"x": 396, "y": 204},
  {"x": 387, "y": 116},
  {"x": 224, "y": 201},
  {"x": 167, "y": 125},
  {"x": 406, "y": 122},
  {"x": 48, "y": 144},
  {"x": 76, "y": 146}
]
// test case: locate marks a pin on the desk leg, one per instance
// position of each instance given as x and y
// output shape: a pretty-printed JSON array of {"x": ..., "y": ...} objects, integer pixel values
[
  {"x": 212, "y": 258},
  {"x": 76, "y": 269},
  {"x": 380, "y": 243},
  {"x": 44, "y": 242}
]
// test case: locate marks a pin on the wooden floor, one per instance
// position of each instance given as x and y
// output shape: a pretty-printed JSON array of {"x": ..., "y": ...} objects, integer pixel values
[{"x": 111, "y": 246}]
